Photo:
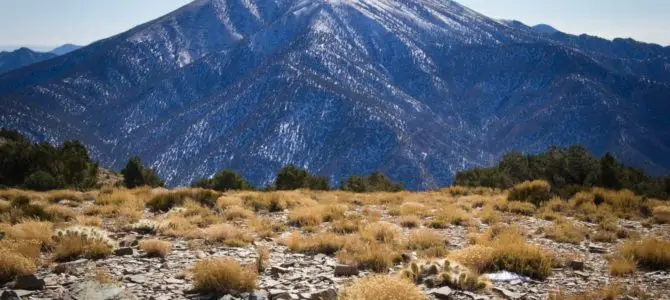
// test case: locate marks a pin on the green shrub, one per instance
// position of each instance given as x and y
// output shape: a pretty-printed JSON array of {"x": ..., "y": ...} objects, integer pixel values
[
  {"x": 136, "y": 174},
  {"x": 536, "y": 192},
  {"x": 40, "y": 181},
  {"x": 223, "y": 181}
]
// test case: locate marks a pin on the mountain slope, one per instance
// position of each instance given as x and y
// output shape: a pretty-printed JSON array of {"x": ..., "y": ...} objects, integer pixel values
[
  {"x": 20, "y": 58},
  {"x": 418, "y": 89},
  {"x": 64, "y": 49}
]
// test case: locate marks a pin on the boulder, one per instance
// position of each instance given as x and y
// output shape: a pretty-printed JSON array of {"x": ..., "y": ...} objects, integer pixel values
[
  {"x": 327, "y": 294},
  {"x": 443, "y": 293},
  {"x": 9, "y": 295},
  {"x": 29, "y": 282},
  {"x": 345, "y": 270}
]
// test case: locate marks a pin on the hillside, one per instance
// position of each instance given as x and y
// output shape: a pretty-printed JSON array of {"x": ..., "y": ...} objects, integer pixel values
[
  {"x": 20, "y": 58},
  {"x": 419, "y": 89}
]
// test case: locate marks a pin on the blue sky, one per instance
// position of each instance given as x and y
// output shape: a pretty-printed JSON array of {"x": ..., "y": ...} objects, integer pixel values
[{"x": 44, "y": 24}]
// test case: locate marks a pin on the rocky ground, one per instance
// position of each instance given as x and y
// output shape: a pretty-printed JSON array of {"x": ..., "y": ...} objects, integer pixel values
[{"x": 129, "y": 274}]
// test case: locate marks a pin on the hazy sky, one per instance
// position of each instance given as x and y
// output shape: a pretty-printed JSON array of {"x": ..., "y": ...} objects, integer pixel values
[{"x": 43, "y": 24}]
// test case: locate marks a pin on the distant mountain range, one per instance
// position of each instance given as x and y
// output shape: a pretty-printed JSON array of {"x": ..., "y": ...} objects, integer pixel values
[
  {"x": 20, "y": 58},
  {"x": 418, "y": 89},
  {"x": 65, "y": 49}
]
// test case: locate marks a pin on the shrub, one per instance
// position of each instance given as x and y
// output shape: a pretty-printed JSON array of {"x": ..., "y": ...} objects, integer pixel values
[
  {"x": 450, "y": 215},
  {"x": 40, "y": 181},
  {"x": 661, "y": 214},
  {"x": 622, "y": 266},
  {"x": 383, "y": 232},
  {"x": 521, "y": 208},
  {"x": 412, "y": 208},
  {"x": 155, "y": 248},
  {"x": 306, "y": 216},
  {"x": 236, "y": 212},
  {"x": 349, "y": 225},
  {"x": 31, "y": 230},
  {"x": 228, "y": 235},
  {"x": 291, "y": 177},
  {"x": 564, "y": 231},
  {"x": 135, "y": 174},
  {"x": 375, "y": 182},
  {"x": 144, "y": 226},
  {"x": 326, "y": 243},
  {"x": 536, "y": 192},
  {"x": 381, "y": 287},
  {"x": 13, "y": 264},
  {"x": 262, "y": 259},
  {"x": 224, "y": 276},
  {"x": 166, "y": 201},
  {"x": 410, "y": 221},
  {"x": 424, "y": 238},
  {"x": 651, "y": 253},
  {"x": 75, "y": 242},
  {"x": 367, "y": 254}
]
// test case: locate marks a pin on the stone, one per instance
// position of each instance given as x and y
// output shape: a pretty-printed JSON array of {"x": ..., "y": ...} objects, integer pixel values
[
  {"x": 93, "y": 290},
  {"x": 583, "y": 274},
  {"x": 123, "y": 251},
  {"x": 345, "y": 270},
  {"x": 200, "y": 254},
  {"x": 276, "y": 271},
  {"x": 327, "y": 294},
  {"x": 429, "y": 270},
  {"x": 509, "y": 294},
  {"x": 29, "y": 282},
  {"x": 174, "y": 281},
  {"x": 137, "y": 279},
  {"x": 576, "y": 264},
  {"x": 258, "y": 295},
  {"x": 276, "y": 294},
  {"x": 597, "y": 249},
  {"x": 443, "y": 293},
  {"x": 9, "y": 295}
]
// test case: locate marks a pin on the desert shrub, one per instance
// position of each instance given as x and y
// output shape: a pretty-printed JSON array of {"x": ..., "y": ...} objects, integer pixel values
[
  {"x": 661, "y": 214},
  {"x": 375, "y": 182},
  {"x": 604, "y": 237},
  {"x": 521, "y": 208},
  {"x": 31, "y": 230},
  {"x": 651, "y": 253},
  {"x": 224, "y": 180},
  {"x": 291, "y": 177},
  {"x": 135, "y": 174},
  {"x": 236, "y": 213},
  {"x": 40, "y": 181},
  {"x": 381, "y": 287},
  {"x": 536, "y": 192},
  {"x": 368, "y": 254},
  {"x": 477, "y": 257},
  {"x": 13, "y": 264},
  {"x": 75, "y": 242},
  {"x": 326, "y": 243},
  {"x": 449, "y": 215},
  {"x": 270, "y": 201},
  {"x": 306, "y": 216},
  {"x": 166, "y": 201},
  {"x": 564, "y": 231},
  {"x": 58, "y": 212},
  {"x": 410, "y": 221},
  {"x": 265, "y": 228},
  {"x": 622, "y": 266},
  {"x": 228, "y": 235},
  {"x": 350, "y": 224},
  {"x": 224, "y": 276},
  {"x": 422, "y": 239},
  {"x": 412, "y": 208},
  {"x": 262, "y": 259},
  {"x": 383, "y": 232},
  {"x": 155, "y": 248}
]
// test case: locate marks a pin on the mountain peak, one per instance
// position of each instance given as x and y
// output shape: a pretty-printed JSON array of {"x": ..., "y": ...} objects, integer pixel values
[{"x": 545, "y": 29}]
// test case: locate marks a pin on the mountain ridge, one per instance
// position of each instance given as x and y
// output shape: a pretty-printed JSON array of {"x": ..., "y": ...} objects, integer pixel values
[{"x": 340, "y": 87}]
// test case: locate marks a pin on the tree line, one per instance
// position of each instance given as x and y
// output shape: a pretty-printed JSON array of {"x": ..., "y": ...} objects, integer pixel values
[{"x": 568, "y": 170}]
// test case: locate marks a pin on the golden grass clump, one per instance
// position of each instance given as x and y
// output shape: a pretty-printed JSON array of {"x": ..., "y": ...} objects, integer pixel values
[
  {"x": 326, "y": 243},
  {"x": 477, "y": 257},
  {"x": 450, "y": 215},
  {"x": 367, "y": 254},
  {"x": 75, "y": 242},
  {"x": 610, "y": 292},
  {"x": 227, "y": 234},
  {"x": 265, "y": 228},
  {"x": 661, "y": 214},
  {"x": 262, "y": 259},
  {"x": 412, "y": 208},
  {"x": 422, "y": 239},
  {"x": 383, "y": 232},
  {"x": 272, "y": 202},
  {"x": 178, "y": 226},
  {"x": 489, "y": 215},
  {"x": 31, "y": 230},
  {"x": 381, "y": 287},
  {"x": 60, "y": 195},
  {"x": 223, "y": 275},
  {"x": 347, "y": 225},
  {"x": 622, "y": 266},
  {"x": 155, "y": 248},
  {"x": 521, "y": 208},
  {"x": 13, "y": 264},
  {"x": 307, "y": 216},
  {"x": 536, "y": 192},
  {"x": 650, "y": 253},
  {"x": 235, "y": 212},
  {"x": 565, "y": 231}
]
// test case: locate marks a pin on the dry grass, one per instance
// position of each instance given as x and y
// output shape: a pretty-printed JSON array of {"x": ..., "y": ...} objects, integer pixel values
[
  {"x": 610, "y": 292},
  {"x": 326, "y": 243},
  {"x": 76, "y": 242},
  {"x": 224, "y": 276},
  {"x": 412, "y": 208},
  {"x": 450, "y": 215},
  {"x": 235, "y": 212},
  {"x": 564, "y": 231},
  {"x": 60, "y": 195},
  {"x": 31, "y": 230},
  {"x": 368, "y": 254},
  {"x": 265, "y": 228},
  {"x": 622, "y": 266},
  {"x": 155, "y": 248},
  {"x": 262, "y": 259},
  {"x": 227, "y": 234},
  {"x": 13, "y": 264},
  {"x": 423, "y": 239},
  {"x": 383, "y": 232},
  {"x": 381, "y": 287},
  {"x": 350, "y": 224},
  {"x": 661, "y": 214},
  {"x": 651, "y": 253},
  {"x": 521, "y": 208}
]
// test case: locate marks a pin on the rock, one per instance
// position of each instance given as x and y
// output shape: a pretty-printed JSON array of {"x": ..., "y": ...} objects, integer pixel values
[
  {"x": 509, "y": 294},
  {"x": 129, "y": 241},
  {"x": 583, "y": 274},
  {"x": 276, "y": 294},
  {"x": 137, "y": 279},
  {"x": 9, "y": 295},
  {"x": 429, "y": 270},
  {"x": 327, "y": 294},
  {"x": 443, "y": 293},
  {"x": 345, "y": 270},
  {"x": 597, "y": 249},
  {"x": 29, "y": 282},
  {"x": 200, "y": 254},
  {"x": 258, "y": 295},
  {"x": 123, "y": 251},
  {"x": 576, "y": 264},
  {"x": 276, "y": 271},
  {"x": 174, "y": 281},
  {"x": 93, "y": 290}
]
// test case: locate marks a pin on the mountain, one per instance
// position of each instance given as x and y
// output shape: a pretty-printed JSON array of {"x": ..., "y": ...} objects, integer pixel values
[
  {"x": 544, "y": 28},
  {"x": 64, "y": 49},
  {"x": 418, "y": 89},
  {"x": 21, "y": 58}
]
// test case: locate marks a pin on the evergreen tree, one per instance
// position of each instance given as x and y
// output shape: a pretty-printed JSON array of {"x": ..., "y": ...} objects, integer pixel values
[
  {"x": 136, "y": 174},
  {"x": 608, "y": 172},
  {"x": 291, "y": 177}
]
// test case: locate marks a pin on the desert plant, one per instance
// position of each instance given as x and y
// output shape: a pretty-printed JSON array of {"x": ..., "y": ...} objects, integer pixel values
[
  {"x": 536, "y": 192},
  {"x": 651, "y": 253},
  {"x": 224, "y": 276},
  {"x": 155, "y": 248},
  {"x": 381, "y": 287}
]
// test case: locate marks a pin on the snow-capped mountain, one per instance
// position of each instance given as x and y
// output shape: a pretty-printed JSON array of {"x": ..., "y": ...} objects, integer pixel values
[
  {"x": 20, "y": 58},
  {"x": 416, "y": 88}
]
